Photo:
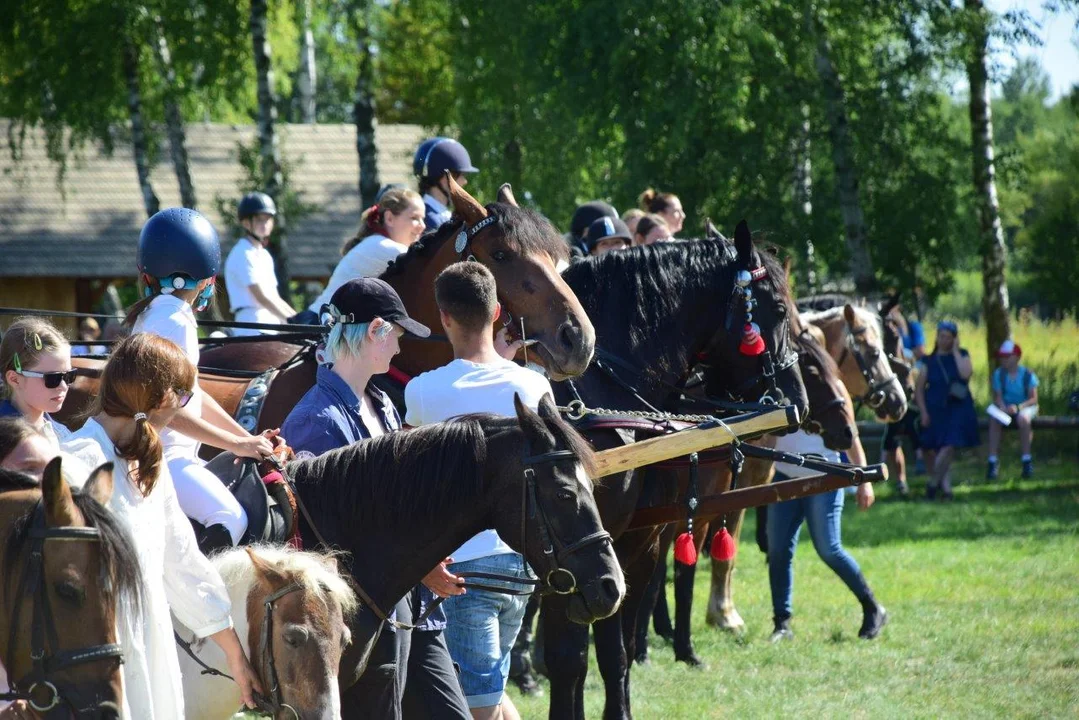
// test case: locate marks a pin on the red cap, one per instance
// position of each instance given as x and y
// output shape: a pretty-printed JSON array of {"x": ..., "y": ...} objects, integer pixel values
[{"x": 1009, "y": 347}]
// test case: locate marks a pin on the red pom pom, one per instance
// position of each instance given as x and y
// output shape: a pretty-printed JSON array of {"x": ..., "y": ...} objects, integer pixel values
[
  {"x": 685, "y": 550},
  {"x": 723, "y": 547},
  {"x": 752, "y": 342}
]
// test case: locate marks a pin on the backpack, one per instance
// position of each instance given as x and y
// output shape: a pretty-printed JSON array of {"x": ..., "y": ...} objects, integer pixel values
[{"x": 1024, "y": 372}]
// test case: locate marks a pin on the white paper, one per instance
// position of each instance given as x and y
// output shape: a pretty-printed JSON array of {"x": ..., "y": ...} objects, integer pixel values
[{"x": 999, "y": 415}]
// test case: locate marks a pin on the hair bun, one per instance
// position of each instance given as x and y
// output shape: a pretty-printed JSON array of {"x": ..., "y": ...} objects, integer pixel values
[{"x": 646, "y": 199}]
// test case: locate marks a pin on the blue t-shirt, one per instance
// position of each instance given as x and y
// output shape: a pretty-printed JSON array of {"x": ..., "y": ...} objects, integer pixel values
[
  {"x": 1014, "y": 389},
  {"x": 915, "y": 336}
]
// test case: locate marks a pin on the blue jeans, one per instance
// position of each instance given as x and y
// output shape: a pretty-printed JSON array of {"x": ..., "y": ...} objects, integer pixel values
[
  {"x": 823, "y": 513},
  {"x": 482, "y": 626}
]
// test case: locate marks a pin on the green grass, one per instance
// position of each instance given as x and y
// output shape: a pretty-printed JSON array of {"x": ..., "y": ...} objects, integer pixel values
[{"x": 983, "y": 595}]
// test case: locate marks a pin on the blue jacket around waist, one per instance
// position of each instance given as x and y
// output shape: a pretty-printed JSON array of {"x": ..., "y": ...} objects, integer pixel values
[{"x": 328, "y": 417}]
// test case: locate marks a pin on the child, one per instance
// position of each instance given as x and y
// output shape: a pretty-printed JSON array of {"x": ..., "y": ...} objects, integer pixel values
[
  {"x": 36, "y": 363},
  {"x": 1015, "y": 392}
]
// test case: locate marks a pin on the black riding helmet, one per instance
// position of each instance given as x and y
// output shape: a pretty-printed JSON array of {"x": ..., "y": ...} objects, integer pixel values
[
  {"x": 254, "y": 203},
  {"x": 587, "y": 214},
  {"x": 437, "y": 155},
  {"x": 178, "y": 241}
]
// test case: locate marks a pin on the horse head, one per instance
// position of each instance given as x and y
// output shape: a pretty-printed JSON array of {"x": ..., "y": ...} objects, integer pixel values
[
  {"x": 553, "y": 519},
  {"x": 831, "y": 414},
  {"x": 297, "y": 611},
  {"x": 875, "y": 382},
  {"x": 85, "y": 564}
]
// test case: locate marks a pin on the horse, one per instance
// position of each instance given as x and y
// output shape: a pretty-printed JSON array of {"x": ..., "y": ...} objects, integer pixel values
[
  {"x": 830, "y": 415},
  {"x": 853, "y": 337},
  {"x": 400, "y": 503},
  {"x": 667, "y": 307},
  {"x": 290, "y": 610},
  {"x": 58, "y": 606}
]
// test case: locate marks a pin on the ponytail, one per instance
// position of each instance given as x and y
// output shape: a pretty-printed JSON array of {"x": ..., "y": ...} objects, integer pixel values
[
  {"x": 146, "y": 450},
  {"x": 656, "y": 202},
  {"x": 396, "y": 200}
]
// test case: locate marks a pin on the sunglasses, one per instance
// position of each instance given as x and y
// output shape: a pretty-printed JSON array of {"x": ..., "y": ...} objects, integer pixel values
[
  {"x": 184, "y": 396},
  {"x": 52, "y": 379}
]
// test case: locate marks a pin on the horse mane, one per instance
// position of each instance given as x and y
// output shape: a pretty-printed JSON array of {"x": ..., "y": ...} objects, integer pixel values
[
  {"x": 120, "y": 578},
  {"x": 865, "y": 315},
  {"x": 525, "y": 231},
  {"x": 308, "y": 569}
]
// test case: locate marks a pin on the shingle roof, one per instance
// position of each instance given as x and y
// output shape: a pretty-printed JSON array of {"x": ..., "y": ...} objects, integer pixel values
[{"x": 91, "y": 228}]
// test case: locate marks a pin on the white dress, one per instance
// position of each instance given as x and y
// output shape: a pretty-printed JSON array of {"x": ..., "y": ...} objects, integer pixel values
[{"x": 176, "y": 576}]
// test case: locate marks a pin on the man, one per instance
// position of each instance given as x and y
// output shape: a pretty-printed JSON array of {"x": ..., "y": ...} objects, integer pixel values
[
  {"x": 249, "y": 272},
  {"x": 1015, "y": 394},
  {"x": 481, "y": 626},
  {"x": 606, "y": 234},
  {"x": 432, "y": 159}
]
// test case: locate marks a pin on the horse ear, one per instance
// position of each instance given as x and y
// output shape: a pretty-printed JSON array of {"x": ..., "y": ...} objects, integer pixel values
[
  {"x": 505, "y": 195},
  {"x": 787, "y": 267},
  {"x": 100, "y": 484},
  {"x": 850, "y": 316},
  {"x": 264, "y": 570},
  {"x": 712, "y": 232},
  {"x": 60, "y": 508},
  {"x": 533, "y": 427},
  {"x": 464, "y": 204},
  {"x": 743, "y": 242},
  {"x": 548, "y": 410}
]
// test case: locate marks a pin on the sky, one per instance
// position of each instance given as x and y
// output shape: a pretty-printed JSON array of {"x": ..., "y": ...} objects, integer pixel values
[{"x": 1059, "y": 54}]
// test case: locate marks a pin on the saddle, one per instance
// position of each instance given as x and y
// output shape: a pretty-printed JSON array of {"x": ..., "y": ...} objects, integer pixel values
[{"x": 269, "y": 504}]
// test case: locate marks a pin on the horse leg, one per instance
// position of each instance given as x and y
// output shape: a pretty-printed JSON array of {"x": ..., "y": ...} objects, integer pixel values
[
  {"x": 661, "y": 614},
  {"x": 565, "y": 651},
  {"x": 521, "y": 667},
  {"x": 684, "y": 579},
  {"x": 648, "y": 601},
  {"x": 613, "y": 665},
  {"x": 638, "y": 572}
]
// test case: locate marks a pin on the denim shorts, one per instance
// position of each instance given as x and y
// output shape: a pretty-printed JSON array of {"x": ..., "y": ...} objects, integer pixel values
[{"x": 482, "y": 626}]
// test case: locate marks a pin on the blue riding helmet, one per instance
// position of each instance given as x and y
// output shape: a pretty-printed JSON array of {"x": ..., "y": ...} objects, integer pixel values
[
  {"x": 254, "y": 203},
  {"x": 178, "y": 245},
  {"x": 437, "y": 155}
]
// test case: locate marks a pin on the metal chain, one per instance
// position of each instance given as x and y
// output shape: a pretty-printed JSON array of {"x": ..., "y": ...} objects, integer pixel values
[{"x": 576, "y": 410}]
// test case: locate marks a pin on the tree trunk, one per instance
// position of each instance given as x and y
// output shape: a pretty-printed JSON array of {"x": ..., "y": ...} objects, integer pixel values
[
  {"x": 307, "y": 80},
  {"x": 835, "y": 106},
  {"x": 174, "y": 121},
  {"x": 803, "y": 193},
  {"x": 363, "y": 109},
  {"x": 994, "y": 257},
  {"x": 268, "y": 144},
  {"x": 138, "y": 131}
]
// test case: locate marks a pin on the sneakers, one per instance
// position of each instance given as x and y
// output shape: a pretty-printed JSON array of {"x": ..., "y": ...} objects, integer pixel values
[
  {"x": 992, "y": 472},
  {"x": 783, "y": 631},
  {"x": 1028, "y": 469},
  {"x": 903, "y": 489},
  {"x": 874, "y": 618}
]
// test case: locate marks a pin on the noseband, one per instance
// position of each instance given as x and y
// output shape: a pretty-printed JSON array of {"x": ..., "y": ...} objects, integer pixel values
[
  {"x": 874, "y": 395},
  {"x": 42, "y": 690}
]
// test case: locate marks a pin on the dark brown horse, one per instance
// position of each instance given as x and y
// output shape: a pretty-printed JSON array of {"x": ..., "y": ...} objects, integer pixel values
[{"x": 85, "y": 565}]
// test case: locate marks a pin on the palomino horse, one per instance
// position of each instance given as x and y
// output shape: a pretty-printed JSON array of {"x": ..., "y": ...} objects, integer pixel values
[
  {"x": 295, "y": 645},
  {"x": 658, "y": 311},
  {"x": 402, "y": 502},
  {"x": 854, "y": 339},
  {"x": 830, "y": 415},
  {"x": 73, "y": 563}
]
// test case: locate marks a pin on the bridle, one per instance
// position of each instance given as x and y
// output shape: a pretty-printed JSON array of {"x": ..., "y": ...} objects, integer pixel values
[
  {"x": 874, "y": 395},
  {"x": 810, "y": 424},
  {"x": 40, "y": 688}
]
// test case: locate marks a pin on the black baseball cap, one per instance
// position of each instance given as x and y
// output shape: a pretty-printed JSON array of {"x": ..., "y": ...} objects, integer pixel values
[
  {"x": 606, "y": 227},
  {"x": 363, "y": 299}
]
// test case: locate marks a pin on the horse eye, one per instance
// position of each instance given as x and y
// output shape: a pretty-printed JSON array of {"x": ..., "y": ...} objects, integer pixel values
[
  {"x": 500, "y": 256},
  {"x": 565, "y": 495},
  {"x": 70, "y": 593},
  {"x": 295, "y": 637}
]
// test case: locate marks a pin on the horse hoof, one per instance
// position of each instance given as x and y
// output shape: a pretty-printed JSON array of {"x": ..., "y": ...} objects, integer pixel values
[
  {"x": 690, "y": 658},
  {"x": 643, "y": 659},
  {"x": 528, "y": 685}
]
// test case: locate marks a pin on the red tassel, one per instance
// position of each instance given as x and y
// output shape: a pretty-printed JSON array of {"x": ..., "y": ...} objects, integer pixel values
[
  {"x": 752, "y": 342},
  {"x": 685, "y": 550},
  {"x": 723, "y": 547}
]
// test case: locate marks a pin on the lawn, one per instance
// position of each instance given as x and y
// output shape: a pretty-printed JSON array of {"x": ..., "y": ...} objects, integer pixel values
[{"x": 982, "y": 595}]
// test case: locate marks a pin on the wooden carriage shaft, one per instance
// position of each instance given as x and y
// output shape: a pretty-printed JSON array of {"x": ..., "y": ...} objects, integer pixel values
[
  {"x": 712, "y": 506},
  {"x": 691, "y": 440}
]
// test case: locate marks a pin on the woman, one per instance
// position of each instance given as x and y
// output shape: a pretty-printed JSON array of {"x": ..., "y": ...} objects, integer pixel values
[
  {"x": 823, "y": 514},
  {"x": 631, "y": 217},
  {"x": 651, "y": 228},
  {"x": 367, "y": 319},
  {"x": 667, "y": 206},
  {"x": 178, "y": 257},
  {"x": 386, "y": 231},
  {"x": 145, "y": 383},
  {"x": 946, "y": 407},
  {"x": 434, "y": 157},
  {"x": 36, "y": 363}
]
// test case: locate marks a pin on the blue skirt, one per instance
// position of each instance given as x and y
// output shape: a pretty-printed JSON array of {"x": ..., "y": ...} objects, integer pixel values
[{"x": 953, "y": 424}]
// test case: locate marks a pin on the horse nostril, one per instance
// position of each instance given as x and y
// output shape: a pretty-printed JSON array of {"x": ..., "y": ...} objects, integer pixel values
[
  {"x": 569, "y": 336},
  {"x": 610, "y": 590},
  {"x": 108, "y": 711}
]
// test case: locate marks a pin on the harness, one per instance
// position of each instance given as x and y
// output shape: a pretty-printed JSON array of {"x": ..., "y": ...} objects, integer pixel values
[
  {"x": 874, "y": 395},
  {"x": 40, "y": 687}
]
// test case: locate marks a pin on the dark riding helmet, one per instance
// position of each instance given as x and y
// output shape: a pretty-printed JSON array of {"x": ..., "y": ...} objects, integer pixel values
[
  {"x": 437, "y": 155},
  {"x": 254, "y": 203},
  {"x": 587, "y": 214},
  {"x": 178, "y": 241}
]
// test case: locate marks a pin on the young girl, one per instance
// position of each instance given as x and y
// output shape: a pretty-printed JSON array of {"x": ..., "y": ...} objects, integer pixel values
[
  {"x": 667, "y": 206},
  {"x": 36, "y": 363},
  {"x": 651, "y": 228},
  {"x": 386, "y": 231},
  {"x": 145, "y": 383},
  {"x": 179, "y": 256}
]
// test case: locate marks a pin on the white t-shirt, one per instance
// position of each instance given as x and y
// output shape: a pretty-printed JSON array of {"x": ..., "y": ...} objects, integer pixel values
[
  {"x": 803, "y": 442},
  {"x": 170, "y": 317},
  {"x": 464, "y": 387},
  {"x": 369, "y": 258},
  {"x": 249, "y": 264}
]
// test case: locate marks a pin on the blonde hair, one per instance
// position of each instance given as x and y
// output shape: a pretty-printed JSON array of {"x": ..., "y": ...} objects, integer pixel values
[
  {"x": 632, "y": 214},
  {"x": 24, "y": 343},
  {"x": 656, "y": 202},
  {"x": 396, "y": 201}
]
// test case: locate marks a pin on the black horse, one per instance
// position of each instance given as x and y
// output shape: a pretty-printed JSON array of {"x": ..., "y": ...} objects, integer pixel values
[
  {"x": 662, "y": 309},
  {"x": 402, "y": 502}
]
